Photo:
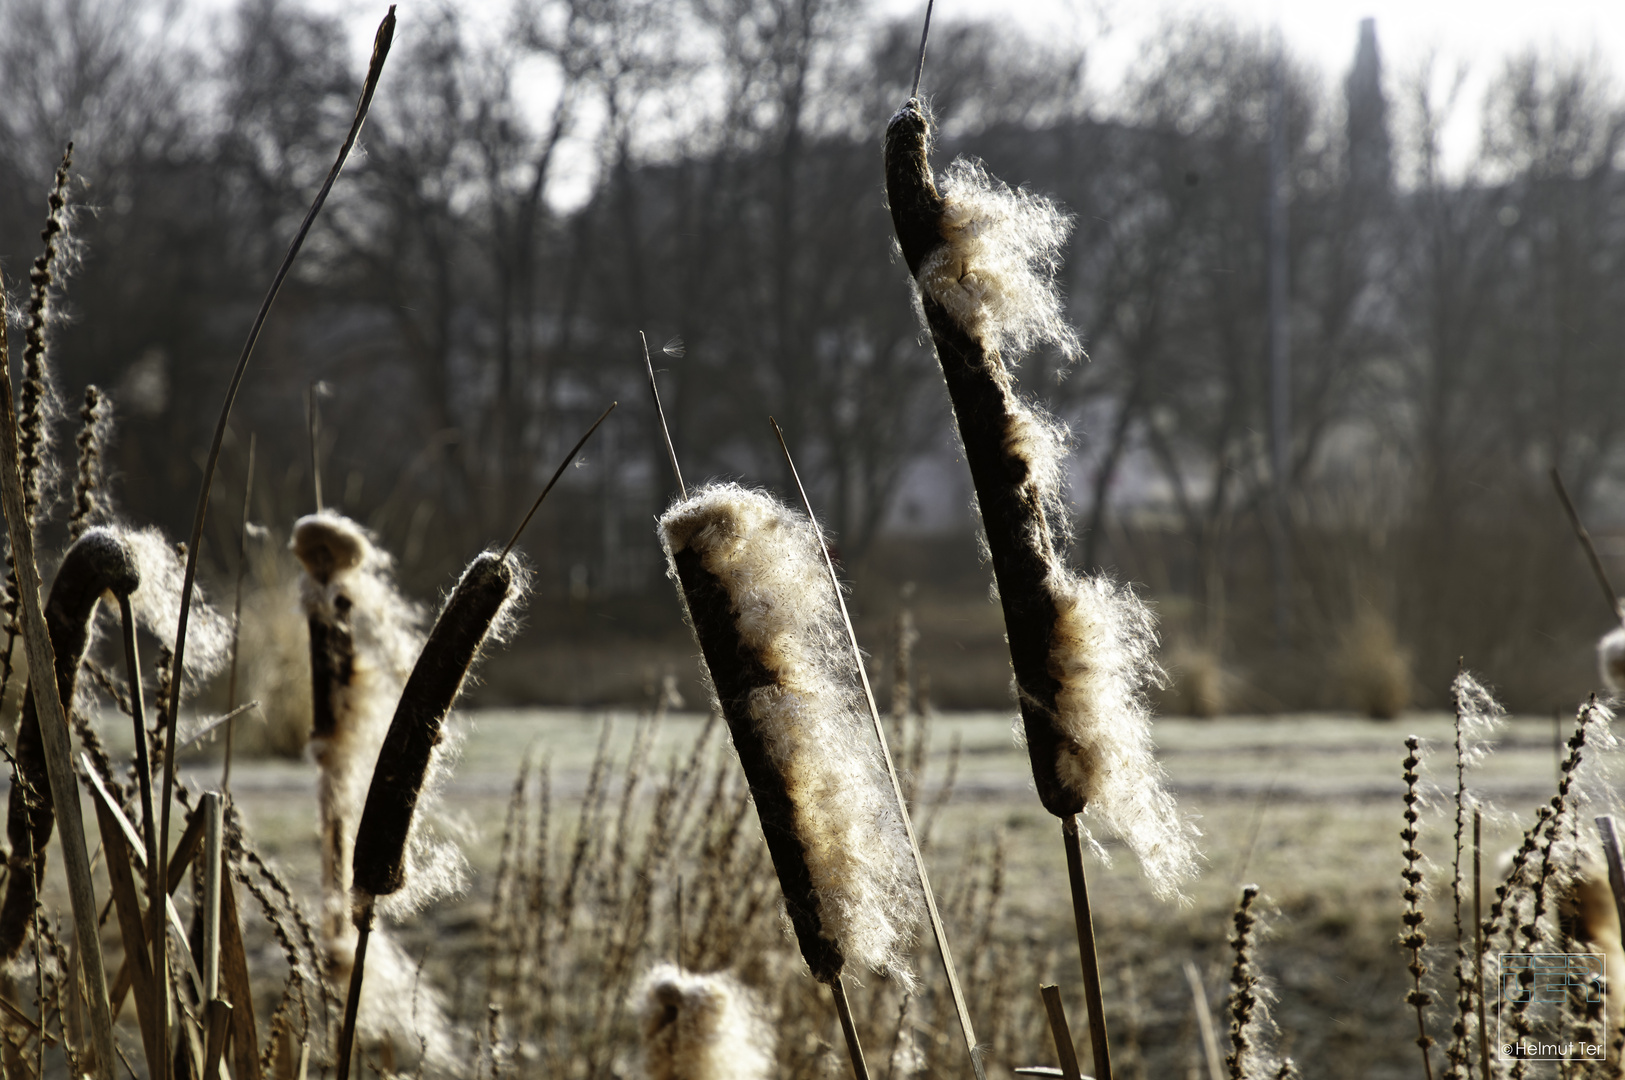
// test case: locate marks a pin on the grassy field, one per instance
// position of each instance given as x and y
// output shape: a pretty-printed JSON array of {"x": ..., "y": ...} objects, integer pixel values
[{"x": 1306, "y": 806}]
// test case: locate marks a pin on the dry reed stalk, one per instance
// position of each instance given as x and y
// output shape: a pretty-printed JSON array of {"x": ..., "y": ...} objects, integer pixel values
[
  {"x": 1244, "y": 999},
  {"x": 1478, "y": 943},
  {"x": 237, "y": 615},
  {"x": 1477, "y": 715},
  {"x": 170, "y": 708},
  {"x": 1204, "y": 1023},
  {"x": 1062, "y": 1034},
  {"x": 940, "y": 935},
  {"x": 53, "y": 723},
  {"x": 1413, "y": 937},
  {"x": 1586, "y": 543}
]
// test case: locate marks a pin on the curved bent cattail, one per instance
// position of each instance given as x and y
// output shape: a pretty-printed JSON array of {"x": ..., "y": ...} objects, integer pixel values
[
  {"x": 701, "y": 1027},
  {"x": 363, "y": 637},
  {"x": 753, "y": 579},
  {"x": 101, "y": 561},
  {"x": 479, "y": 607},
  {"x": 1082, "y": 647}
]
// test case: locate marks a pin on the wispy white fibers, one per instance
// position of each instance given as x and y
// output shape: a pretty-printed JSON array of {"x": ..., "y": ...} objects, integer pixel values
[
  {"x": 1103, "y": 650},
  {"x": 985, "y": 259},
  {"x": 157, "y": 607},
  {"x": 1104, "y": 653},
  {"x": 812, "y": 717},
  {"x": 701, "y": 1027},
  {"x": 348, "y": 580},
  {"x": 1611, "y": 660},
  {"x": 1479, "y": 717},
  {"x": 996, "y": 272}
]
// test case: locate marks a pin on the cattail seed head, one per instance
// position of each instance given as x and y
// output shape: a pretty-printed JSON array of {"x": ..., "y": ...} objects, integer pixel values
[
  {"x": 701, "y": 1027},
  {"x": 1082, "y": 649},
  {"x": 481, "y": 607},
  {"x": 363, "y": 637},
  {"x": 100, "y": 561},
  {"x": 752, "y": 576}
]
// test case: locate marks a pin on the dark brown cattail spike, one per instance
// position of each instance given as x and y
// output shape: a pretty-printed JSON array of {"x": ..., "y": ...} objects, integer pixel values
[
  {"x": 403, "y": 761},
  {"x": 97, "y": 563},
  {"x": 326, "y": 547},
  {"x": 736, "y": 672}
]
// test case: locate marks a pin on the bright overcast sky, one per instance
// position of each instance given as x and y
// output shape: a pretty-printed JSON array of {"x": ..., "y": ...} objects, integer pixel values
[{"x": 1477, "y": 33}]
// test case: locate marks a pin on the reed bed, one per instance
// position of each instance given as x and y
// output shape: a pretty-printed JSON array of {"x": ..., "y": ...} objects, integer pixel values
[{"x": 684, "y": 918}]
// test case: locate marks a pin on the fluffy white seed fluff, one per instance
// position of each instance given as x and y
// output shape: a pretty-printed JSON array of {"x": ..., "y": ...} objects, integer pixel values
[
  {"x": 359, "y": 591},
  {"x": 1104, "y": 653},
  {"x": 1611, "y": 660},
  {"x": 157, "y": 607},
  {"x": 813, "y": 719},
  {"x": 701, "y": 1027},
  {"x": 1481, "y": 718},
  {"x": 995, "y": 273}
]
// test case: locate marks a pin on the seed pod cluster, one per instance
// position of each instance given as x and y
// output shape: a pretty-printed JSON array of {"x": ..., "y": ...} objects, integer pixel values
[
  {"x": 752, "y": 577},
  {"x": 1082, "y": 648},
  {"x": 99, "y": 562}
]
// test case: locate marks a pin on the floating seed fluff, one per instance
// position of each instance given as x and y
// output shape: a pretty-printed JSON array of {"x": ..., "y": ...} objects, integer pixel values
[
  {"x": 701, "y": 1027},
  {"x": 753, "y": 579}
]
